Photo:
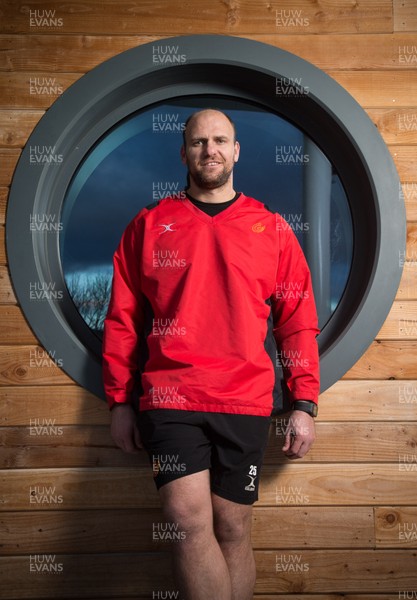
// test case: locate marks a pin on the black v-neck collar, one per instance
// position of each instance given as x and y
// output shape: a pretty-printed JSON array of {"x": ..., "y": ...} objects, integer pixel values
[{"x": 232, "y": 205}]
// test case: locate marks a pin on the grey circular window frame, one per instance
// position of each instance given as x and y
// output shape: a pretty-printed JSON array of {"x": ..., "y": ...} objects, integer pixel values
[{"x": 204, "y": 65}]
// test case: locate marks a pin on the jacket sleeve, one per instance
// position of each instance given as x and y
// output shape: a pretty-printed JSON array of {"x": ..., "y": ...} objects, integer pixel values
[
  {"x": 295, "y": 319},
  {"x": 124, "y": 320}
]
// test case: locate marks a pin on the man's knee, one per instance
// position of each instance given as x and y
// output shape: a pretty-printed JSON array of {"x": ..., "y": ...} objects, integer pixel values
[
  {"x": 190, "y": 511},
  {"x": 232, "y": 523}
]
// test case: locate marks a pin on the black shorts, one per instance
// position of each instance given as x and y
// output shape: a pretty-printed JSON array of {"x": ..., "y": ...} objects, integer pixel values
[{"x": 181, "y": 442}]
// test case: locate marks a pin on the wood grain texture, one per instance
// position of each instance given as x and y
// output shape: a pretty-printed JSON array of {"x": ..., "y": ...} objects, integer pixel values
[
  {"x": 401, "y": 322},
  {"x": 354, "y": 401},
  {"x": 16, "y": 126},
  {"x": 397, "y": 126},
  {"x": 408, "y": 285},
  {"x": 396, "y": 527},
  {"x": 44, "y": 443},
  {"x": 130, "y": 530},
  {"x": 64, "y": 404},
  {"x": 3, "y": 255},
  {"x": 79, "y": 53},
  {"x": 33, "y": 90},
  {"x": 8, "y": 161},
  {"x": 379, "y": 89},
  {"x": 339, "y": 513},
  {"x": 281, "y": 485},
  {"x": 386, "y": 360},
  {"x": 15, "y": 329},
  {"x": 405, "y": 15},
  {"x": 369, "y": 401},
  {"x": 92, "y": 575},
  {"x": 4, "y": 193},
  {"x": 162, "y": 17},
  {"x": 372, "y": 89},
  {"x": 28, "y": 365},
  {"x": 6, "y": 290}
]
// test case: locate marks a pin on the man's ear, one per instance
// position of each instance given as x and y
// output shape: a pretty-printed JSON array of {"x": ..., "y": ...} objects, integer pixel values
[
  {"x": 237, "y": 151},
  {"x": 183, "y": 155}
]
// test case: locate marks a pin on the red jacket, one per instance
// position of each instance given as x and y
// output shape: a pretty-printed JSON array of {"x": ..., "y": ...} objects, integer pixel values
[{"x": 202, "y": 297}]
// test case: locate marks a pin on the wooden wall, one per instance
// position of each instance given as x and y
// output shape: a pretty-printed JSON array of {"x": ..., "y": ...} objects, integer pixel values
[{"x": 76, "y": 514}]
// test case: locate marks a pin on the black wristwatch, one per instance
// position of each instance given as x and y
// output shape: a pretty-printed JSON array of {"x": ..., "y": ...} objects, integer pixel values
[{"x": 307, "y": 406}]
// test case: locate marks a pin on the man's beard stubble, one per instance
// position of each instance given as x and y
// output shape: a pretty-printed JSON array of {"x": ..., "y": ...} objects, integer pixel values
[{"x": 209, "y": 183}]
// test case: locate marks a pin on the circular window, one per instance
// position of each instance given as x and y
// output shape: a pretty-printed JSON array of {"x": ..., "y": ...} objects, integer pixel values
[
  {"x": 110, "y": 145},
  {"x": 138, "y": 160}
]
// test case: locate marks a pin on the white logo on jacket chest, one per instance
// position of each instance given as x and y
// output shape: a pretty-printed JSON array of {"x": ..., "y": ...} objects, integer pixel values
[{"x": 167, "y": 227}]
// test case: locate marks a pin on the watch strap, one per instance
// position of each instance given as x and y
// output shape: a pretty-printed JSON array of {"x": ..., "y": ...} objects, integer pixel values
[{"x": 307, "y": 406}]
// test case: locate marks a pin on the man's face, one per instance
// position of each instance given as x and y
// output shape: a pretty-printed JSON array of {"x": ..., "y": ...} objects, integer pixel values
[{"x": 211, "y": 151}]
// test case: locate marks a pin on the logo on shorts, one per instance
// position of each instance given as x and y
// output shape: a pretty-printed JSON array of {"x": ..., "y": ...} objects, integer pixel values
[{"x": 252, "y": 476}]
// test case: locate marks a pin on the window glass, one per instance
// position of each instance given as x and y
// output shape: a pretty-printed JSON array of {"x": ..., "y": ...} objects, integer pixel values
[{"x": 138, "y": 162}]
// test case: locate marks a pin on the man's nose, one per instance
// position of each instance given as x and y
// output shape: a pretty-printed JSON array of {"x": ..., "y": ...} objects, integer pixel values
[{"x": 210, "y": 148}]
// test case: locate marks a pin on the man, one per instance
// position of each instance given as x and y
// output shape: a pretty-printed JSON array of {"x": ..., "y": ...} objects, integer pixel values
[{"x": 201, "y": 281}]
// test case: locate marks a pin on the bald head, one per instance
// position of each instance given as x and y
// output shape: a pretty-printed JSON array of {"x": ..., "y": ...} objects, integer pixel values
[{"x": 198, "y": 114}]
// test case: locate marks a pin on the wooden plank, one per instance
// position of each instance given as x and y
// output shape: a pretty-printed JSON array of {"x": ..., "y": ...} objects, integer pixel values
[
  {"x": 371, "y": 89},
  {"x": 299, "y": 484},
  {"x": 409, "y": 194},
  {"x": 67, "y": 53},
  {"x": 369, "y": 400},
  {"x": 401, "y": 322},
  {"x": 411, "y": 253},
  {"x": 292, "y": 596},
  {"x": 86, "y": 531},
  {"x": 3, "y": 258},
  {"x": 396, "y": 527},
  {"x": 405, "y": 15},
  {"x": 18, "y": 366},
  {"x": 316, "y": 571},
  {"x": 65, "y": 405},
  {"x": 8, "y": 161},
  {"x": 4, "y": 193},
  {"x": 379, "y": 89},
  {"x": 320, "y": 571},
  {"x": 45, "y": 443},
  {"x": 33, "y": 90},
  {"x": 156, "y": 17},
  {"x": 16, "y": 126},
  {"x": 76, "y": 489},
  {"x": 72, "y": 405},
  {"x": 80, "y": 53},
  {"x": 405, "y": 160},
  {"x": 336, "y": 596},
  {"x": 368, "y": 442},
  {"x": 14, "y": 329},
  {"x": 6, "y": 290},
  {"x": 397, "y": 126},
  {"x": 408, "y": 284},
  {"x": 77, "y": 576},
  {"x": 386, "y": 360},
  {"x": 325, "y": 484}
]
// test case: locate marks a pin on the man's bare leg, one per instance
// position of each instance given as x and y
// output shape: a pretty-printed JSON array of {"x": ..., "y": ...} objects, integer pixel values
[
  {"x": 200, "y": 568},
  {"x": 232, "y": 527}
]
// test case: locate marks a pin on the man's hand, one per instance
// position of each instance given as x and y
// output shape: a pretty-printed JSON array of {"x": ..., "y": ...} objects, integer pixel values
[
  {"x": 124, "y": 429},
  {"x": 300, "y": 434}
]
